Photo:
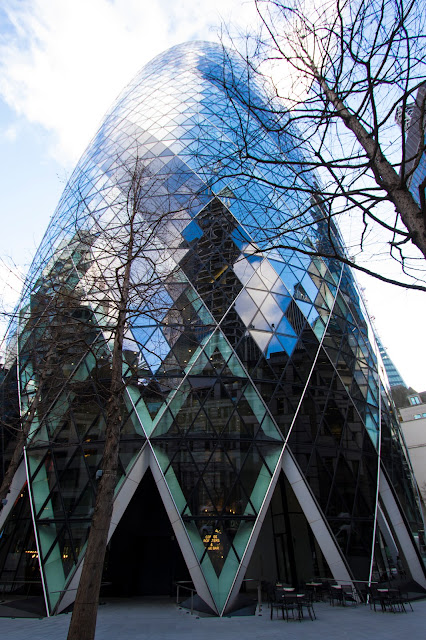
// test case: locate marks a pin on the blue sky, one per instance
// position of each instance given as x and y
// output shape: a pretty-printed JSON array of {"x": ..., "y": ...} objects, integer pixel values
[{"x": 62, "y": 63}]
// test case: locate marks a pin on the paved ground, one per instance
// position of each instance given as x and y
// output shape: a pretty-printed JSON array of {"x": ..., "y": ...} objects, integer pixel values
[{"x": 154, "y": 619}]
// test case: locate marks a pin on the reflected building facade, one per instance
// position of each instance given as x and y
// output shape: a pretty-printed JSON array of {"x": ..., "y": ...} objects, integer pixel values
[{"x": 258, "y": 440}]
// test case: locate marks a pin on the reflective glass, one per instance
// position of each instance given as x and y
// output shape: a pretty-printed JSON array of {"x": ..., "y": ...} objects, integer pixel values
[{"x": 231, "y": 345}]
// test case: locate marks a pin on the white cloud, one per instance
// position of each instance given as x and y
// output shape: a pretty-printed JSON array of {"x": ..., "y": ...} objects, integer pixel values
[
  {"x": 63, "y": 63},
  {"x": 10, "y": 133}
]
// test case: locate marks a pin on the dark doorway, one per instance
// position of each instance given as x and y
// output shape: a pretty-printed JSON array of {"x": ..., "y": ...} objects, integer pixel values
[
  {"x": 286, "y": 549},
  {"x": 144, "y": 557}
]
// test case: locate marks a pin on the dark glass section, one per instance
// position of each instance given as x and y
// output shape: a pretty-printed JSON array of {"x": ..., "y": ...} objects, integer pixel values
[
  {"x": 336, "y": 455},
  {"x": 9, "y": 415},
  {"x": 281, "y": 380},
  {"x": 209, "y": 262},
  {"x": 150, "y": 561},
  {"x": 286, "y": 550},
  {"x": 217, "y": 447},
  {"x": 19, "y": 565}
]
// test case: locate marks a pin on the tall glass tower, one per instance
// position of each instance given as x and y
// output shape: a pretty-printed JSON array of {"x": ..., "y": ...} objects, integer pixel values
[
  {"x": 257, "y": 437},
  {"x": 394, "y": 377}
]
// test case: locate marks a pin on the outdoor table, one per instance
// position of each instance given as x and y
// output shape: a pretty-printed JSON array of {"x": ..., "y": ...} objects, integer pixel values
[{"x": 391, "y": 598}]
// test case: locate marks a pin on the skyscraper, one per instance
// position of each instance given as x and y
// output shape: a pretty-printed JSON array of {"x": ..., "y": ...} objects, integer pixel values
[
  {"x": 415, "y": 157},
  {"x": 257, "y": 438},
  {"x": 394, "y": 377}
]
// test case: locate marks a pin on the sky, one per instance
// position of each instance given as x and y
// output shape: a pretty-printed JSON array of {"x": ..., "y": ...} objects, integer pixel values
[{"x": 62, "y": 64}]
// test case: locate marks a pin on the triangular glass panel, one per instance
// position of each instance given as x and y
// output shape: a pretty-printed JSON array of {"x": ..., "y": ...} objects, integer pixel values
[
  {"x": 63, "y": 431},
  {"x": 258, "y": 296},
  {"x": 131, "y": 426},
  {"x": 83, "y": 505},
  {"x": 259, "y": 323},
  {"x": 320, "y": 303},
  {"x": 255, "y": 260},
  {"x": 201, "y": 366},
  {"x": 272, "y": 311},
  {"x": 128, "y": 453},
  {"x": 319, "y": 328},
  {"x": 96, "y": 430},
  {"x": 279, "y": 288},
  {"x": 305, "y": 307},
  {"x": 256, "y": 283},
  {"x": 274, "y": 346},
  {"x": 283, "y": 300},
  {"x": 226, "y": 192},
  {"x": 286, "y": 328},
  {"x": 261, "y": 338},
  {"x": 243, "y": 269},
  {"x": 142, "y": 334},
  {"x": 245, "y": 307},
  {"x": 288, "y": 343},
  {"x": 267, "y": 273},
  {"x": 309, "y": 287},
  {"x": 148, "y": 397},
  {"x": 216, "y": 543}
]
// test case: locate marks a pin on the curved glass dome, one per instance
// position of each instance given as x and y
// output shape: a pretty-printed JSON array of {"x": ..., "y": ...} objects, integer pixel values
[{"x": 252, "y": 377}]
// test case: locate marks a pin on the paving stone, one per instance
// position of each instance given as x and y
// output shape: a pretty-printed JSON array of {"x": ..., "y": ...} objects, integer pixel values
[{"x": 161, "y": 619}]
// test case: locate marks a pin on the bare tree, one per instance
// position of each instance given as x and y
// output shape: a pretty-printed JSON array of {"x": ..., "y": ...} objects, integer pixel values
[
  {"x": 125, "y": 280},
  {"x": 48, "y": 326},
  {"x": 107, "y": 275},
  {"x": 335, "y": 77}
]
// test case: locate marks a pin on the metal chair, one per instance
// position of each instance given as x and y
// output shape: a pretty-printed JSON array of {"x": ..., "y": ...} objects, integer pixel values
[
  {"x": 405, "y": 599},
  {"x": 397, "y": 601},
  {"x": 348, "y": 594},
  {"x": 308, "y": 602},
  {"x": 274, "y": 600},
  {"x": 292, "y": 604},
  {"x": 335, "y": 594}
]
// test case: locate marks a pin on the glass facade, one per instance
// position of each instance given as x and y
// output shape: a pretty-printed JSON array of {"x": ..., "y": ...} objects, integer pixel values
[
  {"x": 235, "y": 353},
  {"x": 394, "y": 377},
  {"x": 415, "y": 138}
]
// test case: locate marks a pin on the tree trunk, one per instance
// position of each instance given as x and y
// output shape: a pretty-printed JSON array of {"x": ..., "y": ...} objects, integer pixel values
[{"x": 83, "y": 621}]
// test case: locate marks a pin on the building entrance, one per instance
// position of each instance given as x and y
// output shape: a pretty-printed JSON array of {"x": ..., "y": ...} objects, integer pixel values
[{"x": 144, "y": 557}]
